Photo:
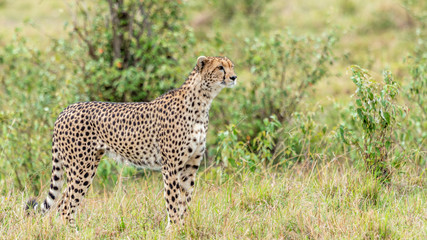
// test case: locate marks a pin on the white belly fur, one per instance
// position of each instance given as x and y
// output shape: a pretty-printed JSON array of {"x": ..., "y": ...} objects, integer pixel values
[{"x": 151, "y": 164}]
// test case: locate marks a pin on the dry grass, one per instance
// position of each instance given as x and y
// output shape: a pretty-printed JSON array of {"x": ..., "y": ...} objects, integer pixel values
[
  {"x": 331, "y": 202},
  {"x": 48, "y": 17}
]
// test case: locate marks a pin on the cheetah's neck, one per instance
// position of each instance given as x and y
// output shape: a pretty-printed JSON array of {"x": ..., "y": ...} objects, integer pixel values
[{"x": 198, "y": 93}]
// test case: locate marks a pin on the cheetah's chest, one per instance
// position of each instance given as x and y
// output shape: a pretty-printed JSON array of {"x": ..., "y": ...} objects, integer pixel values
[{"x": 198, "y": 137}]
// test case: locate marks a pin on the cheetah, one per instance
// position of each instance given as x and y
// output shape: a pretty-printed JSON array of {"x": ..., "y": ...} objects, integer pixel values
[{"x": 167, "y": 134}]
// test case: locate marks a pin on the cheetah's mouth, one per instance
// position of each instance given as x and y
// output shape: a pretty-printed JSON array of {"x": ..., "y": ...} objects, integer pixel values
[{"x": 231, "y": 84}]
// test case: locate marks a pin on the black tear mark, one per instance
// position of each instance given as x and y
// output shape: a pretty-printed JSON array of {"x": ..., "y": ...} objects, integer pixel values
[{"x": 223, "y": 78}]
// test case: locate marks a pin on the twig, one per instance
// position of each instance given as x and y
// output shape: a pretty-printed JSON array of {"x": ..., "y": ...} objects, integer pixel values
[{"x": 91, "y": 48}]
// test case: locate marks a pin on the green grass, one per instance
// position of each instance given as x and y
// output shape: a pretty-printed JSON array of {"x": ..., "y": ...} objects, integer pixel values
[{"x": 333, "y": 201}]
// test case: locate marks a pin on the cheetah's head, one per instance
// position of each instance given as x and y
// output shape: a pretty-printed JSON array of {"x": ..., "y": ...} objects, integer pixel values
[{"x": 216, "y": 72}]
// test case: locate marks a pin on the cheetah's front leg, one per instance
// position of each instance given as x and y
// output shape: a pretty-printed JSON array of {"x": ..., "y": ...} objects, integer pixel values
[
  {"x": 179, "y": 174},
  {"x": 172, "y": 193},
  {"x": 187, "y": 179}
]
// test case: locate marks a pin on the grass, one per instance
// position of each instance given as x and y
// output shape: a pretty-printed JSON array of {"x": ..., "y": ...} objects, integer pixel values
[
  {"x": 333, "y": 201},
  {"x": 48, "y": 16}
]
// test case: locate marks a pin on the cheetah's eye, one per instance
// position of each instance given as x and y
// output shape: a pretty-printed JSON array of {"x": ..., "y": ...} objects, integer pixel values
[{"x": 221, "y": 68}]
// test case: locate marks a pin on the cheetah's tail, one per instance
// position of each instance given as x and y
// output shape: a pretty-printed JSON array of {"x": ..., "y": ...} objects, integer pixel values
[
  {"x": 56, "y": 182},
  {"x": 31, "y": 205}
]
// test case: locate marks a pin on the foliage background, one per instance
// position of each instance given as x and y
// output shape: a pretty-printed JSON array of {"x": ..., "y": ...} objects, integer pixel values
[{"x": 301, "y": 105}]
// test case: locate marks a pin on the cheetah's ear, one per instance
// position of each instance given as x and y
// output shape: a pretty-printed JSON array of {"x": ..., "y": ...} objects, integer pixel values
[{"x": 201, "y": 62}]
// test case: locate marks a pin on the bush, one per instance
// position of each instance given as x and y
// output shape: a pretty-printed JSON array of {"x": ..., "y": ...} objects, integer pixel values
[
  {"x": 307, "y": 138},
  {"x": 250, "y": 12},
  {"x": 414, "y": 137},
  {"x": 376, "y": 114},
  {"x": 34, "y": 89},
  {"x": 132, "y": 50},
  {"x": 249, "y": 153},
  {"x": 283, "y": 68}
]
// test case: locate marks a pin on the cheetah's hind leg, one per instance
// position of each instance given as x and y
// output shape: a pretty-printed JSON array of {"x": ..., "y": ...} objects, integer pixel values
[{"x": 78, "y": 184}]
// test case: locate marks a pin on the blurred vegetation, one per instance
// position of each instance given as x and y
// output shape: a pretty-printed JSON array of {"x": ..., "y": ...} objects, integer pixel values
[
  {"x": 294, "y": 101},
  {"x": 139, "y": 46},
  {"x": 376, "y": 117}
]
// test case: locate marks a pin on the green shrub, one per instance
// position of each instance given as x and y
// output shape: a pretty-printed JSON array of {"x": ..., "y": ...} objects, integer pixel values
[
  {"x": 132, "y": 50},
  {"x": 348, "y": 7},
  {"x": 33, "y": 89},
  {"x": 283, "y": 69},
  {"x": 307, "y": 138},
  {"x": 243, "y": 12},
  {"x": 249, "y": 153},
  {"x": 414, "y": 138},
  {"x": 376, "y": 114}
]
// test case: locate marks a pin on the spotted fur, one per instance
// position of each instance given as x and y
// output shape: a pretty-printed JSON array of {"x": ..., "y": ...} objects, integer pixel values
[{"x": 167, "y": 134}]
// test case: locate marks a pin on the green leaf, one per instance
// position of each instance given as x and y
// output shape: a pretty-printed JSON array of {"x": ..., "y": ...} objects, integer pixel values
[
  {"x": 232, "y": 162},
  {"x": 385, "y": 116},
  {"x": 387, "y": 144},
  {"x": 341, "y": 133},
  {"x": 360, "y": 113}
]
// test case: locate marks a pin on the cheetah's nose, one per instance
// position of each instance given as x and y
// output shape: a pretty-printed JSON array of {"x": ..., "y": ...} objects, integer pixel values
[{"x": 233, "y": 77}]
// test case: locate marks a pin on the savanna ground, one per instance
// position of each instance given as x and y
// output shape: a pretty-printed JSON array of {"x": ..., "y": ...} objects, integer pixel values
[
  {"x": 307, "y": 146},
  {"x": 333, "y": 202}
]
